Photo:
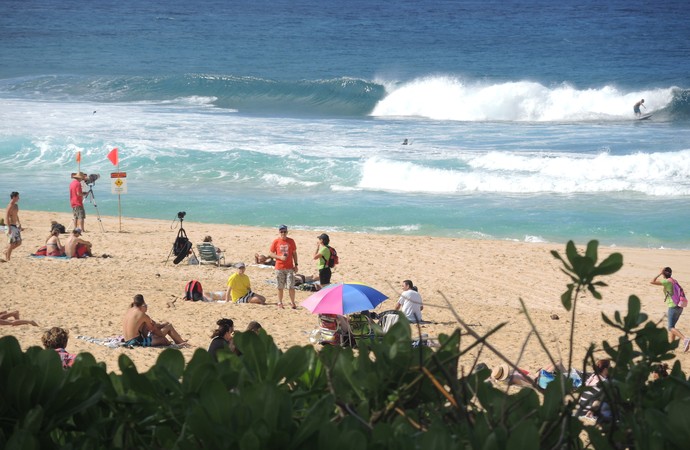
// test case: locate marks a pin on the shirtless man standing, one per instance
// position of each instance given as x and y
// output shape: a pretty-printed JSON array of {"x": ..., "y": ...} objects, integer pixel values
[
  {"x": 140, "y": 330},
  {"x": 14, "y": 226}
]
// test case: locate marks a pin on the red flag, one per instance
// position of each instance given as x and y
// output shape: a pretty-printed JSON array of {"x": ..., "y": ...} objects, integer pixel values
[
  {"x": 112, "y": 156},
  {"x": 78, "y": 157}
]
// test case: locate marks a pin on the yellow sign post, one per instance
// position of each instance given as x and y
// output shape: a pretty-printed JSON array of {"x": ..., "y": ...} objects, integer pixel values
[{"x": 119, "y": 186}]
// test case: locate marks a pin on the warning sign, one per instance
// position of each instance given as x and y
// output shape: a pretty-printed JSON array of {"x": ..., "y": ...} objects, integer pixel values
[{"x": 118, "y": 182}]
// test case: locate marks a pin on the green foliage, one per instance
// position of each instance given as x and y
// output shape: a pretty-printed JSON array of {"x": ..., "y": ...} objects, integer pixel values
[{"x": 389, "y": 395}]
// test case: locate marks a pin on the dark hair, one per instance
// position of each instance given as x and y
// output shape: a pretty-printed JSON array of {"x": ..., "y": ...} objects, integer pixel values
[
  {"x": 138, "y": 300},
  {"x": 254, "y": 326},
  {"x": 667, "y": 272},
  {"x": 208, "y": 239},
  {"x": 224, "y": 325},
  {"x": 661, "y": 370},
  {"x": 409, "y": 284},
  {"x": 602, "y": 364},
  {"x": 55, "y": 338},
  {"x": 14, "y": 194}
]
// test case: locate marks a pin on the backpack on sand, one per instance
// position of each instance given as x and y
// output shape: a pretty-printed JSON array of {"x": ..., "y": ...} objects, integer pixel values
[
  {"x": 193, "y": 291},
  {"x": 678, "y": 295}
]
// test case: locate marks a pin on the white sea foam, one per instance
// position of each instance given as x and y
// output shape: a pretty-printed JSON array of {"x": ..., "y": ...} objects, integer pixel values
[
  {"x": 450, "y": 98},
  {"x": 651, "y": 174}
]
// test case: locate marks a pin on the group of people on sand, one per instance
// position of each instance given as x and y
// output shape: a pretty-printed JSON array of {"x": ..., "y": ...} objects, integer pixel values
[
  {"x": 140, "y": 330},
  {"x": 74, "y": 247}
]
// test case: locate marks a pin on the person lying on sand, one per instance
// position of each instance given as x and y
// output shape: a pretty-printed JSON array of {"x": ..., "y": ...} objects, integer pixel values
[
  {"x": 12, "y": 318},
  {"x": 140, "y": 330}
]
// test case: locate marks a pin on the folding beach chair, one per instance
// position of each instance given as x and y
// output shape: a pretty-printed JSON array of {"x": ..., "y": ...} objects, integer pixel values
[
  {"x": 330, "y": 332},
  {"x": 361, "y": 328},
  {"x": 209, "y": 254}
]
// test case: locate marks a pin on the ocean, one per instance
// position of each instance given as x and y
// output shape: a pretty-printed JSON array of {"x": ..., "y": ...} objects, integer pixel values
[{"x": 517, "y": 115}]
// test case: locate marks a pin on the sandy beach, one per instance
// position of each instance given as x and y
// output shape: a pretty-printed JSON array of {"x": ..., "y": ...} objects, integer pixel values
[{"x": 483, "y": 280}]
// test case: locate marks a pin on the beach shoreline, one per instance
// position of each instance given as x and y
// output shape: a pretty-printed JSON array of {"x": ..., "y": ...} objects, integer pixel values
[{"x": 483, "y": 281}]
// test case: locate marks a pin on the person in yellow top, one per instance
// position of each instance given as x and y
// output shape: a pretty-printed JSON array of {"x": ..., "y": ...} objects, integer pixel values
[{"x": 240, "y": 288}]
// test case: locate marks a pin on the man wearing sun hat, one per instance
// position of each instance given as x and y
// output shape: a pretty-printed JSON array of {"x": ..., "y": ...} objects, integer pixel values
[
  {"x": 284, "y": 250},
  {"x": 76, "y": 200}
]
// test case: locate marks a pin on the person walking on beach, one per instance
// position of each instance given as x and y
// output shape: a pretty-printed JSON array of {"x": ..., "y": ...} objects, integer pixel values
[
  {"x": 410, "y": 302},
  {"x": 284, "y": 250},
  {"x": 14, "y": 226},
  {"x": 322, "y": 255},
  {"x": 240, "y": 288},
  {"x": 140, "y": 330},
  {"x": 674, "y": 311},
  {"x": 636, "y": 107},
  {"x": 76, "y": 200}
]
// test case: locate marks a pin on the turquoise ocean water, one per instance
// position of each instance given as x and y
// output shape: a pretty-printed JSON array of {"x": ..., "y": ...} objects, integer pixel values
[{"x": 518, "y": 115}]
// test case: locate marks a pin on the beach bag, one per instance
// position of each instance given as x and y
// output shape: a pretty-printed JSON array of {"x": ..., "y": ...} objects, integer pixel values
[
  {"x": 678, "y": 295},
  {"x": 333, "y": 260},
  {"x": 193, "y": 291}
]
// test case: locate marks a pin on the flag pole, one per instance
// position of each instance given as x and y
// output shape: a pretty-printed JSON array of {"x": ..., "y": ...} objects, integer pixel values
[{"x": 119, "y": 205}]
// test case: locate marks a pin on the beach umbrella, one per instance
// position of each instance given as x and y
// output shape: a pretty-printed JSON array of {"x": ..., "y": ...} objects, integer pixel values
[{"x": 343, "y": 298}]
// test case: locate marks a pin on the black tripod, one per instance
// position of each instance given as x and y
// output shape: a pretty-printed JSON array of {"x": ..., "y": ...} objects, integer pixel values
[
  {"x": 182, "y": 246},
  {"x": 92, "y": 198}
]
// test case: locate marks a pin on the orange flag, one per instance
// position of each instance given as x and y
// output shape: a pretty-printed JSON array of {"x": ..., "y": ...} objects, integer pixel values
[
  {"x": 112, "y": 156},
  {"x": 78, "y": 157}
]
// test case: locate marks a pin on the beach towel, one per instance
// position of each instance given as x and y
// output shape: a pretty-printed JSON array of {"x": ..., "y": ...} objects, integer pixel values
[
  {"x": 118, "y": 341},
  {"x": 111, "y": 342},
  {"x": 49, "y": 257}
]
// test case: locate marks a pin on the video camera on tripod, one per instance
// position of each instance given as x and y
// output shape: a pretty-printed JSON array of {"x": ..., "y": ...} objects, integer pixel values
[
  {"x": 91, "y": 179},
  {"x": 182, "y": 246}
]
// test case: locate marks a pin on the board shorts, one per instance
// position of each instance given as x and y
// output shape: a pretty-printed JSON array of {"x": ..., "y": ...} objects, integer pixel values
[
  {"x": 79, "y": 212},
  {"x": 139, "y": 341},
  {"x": 15, "y": 235},
  {"x": 673, "y": 316},
  {"x": 285, "y": 278},
  {"x": 246, "y": 297}
]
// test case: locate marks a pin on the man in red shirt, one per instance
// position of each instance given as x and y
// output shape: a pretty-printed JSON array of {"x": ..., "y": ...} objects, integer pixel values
[
  {"x": 284, "y": 250},
  {"x": 76, "y": 200}
]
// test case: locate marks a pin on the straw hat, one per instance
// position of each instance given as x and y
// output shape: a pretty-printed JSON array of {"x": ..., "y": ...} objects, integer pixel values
[
  {"x": 500, "y": 373},
  {"x": 79, "y": 175}
]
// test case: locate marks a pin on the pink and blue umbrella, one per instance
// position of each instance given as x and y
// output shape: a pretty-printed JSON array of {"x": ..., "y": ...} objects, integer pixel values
[{"x": 343, "y": 298}]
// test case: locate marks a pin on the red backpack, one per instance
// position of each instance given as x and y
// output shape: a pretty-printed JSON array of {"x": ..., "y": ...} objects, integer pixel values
[
  {"x": 333, "y": 260},
  {"x": 193, "y": 291}
]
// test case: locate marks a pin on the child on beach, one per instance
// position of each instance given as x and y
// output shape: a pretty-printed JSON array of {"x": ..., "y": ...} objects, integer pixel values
[{"x": 56, "y": 339}]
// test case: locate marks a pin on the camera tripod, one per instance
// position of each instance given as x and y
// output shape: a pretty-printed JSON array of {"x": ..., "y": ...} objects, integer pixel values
[
  {"x": 92, "y": 198},
  {"x": 181, "y": 247}
]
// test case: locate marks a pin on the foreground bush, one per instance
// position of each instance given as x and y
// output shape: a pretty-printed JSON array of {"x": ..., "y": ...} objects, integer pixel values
[{"x": 387, "y": 396}]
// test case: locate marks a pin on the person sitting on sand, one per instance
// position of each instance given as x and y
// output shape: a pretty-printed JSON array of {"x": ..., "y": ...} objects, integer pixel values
[
  {"x": 411, "y": 302},
  {"x": 56, "y": 339},
  {"x": 263, "y": 259},
  {"x": 601, "y": 372},
  {"x": 240, "y": 289},
  {"x": 11, "y": 318},
  {"x": 140, "y": 330},
  {"x": 53, "y": 245},
  {"x": 76, "y": 247},
  {"x": 221, "y": 337},
  {"x": 254, "y": 326}
]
